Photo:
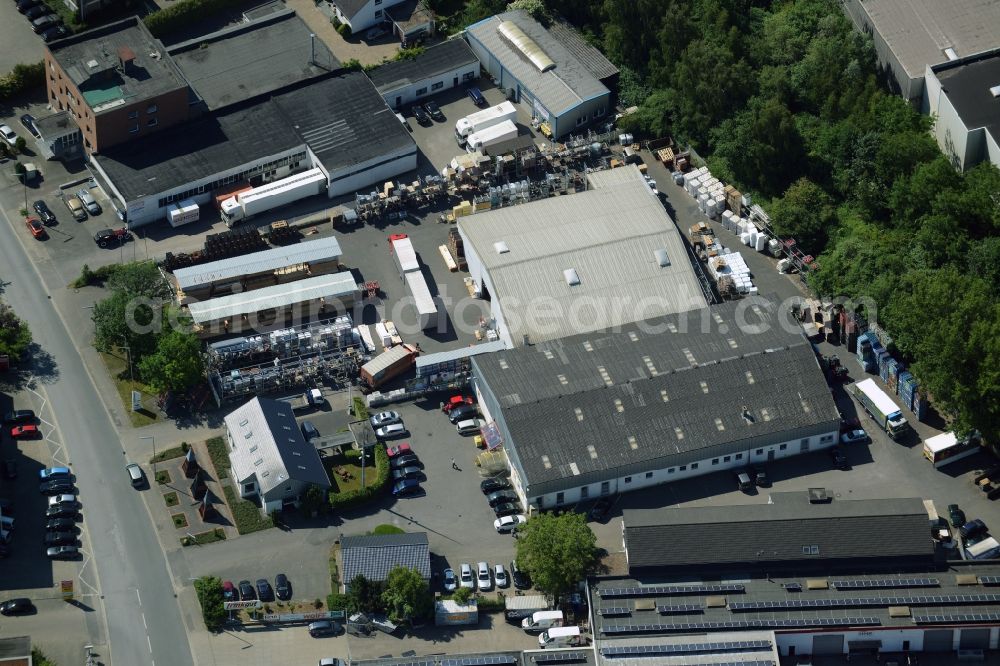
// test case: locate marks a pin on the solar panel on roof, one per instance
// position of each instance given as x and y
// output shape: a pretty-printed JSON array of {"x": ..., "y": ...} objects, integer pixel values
[
  {"x": 669, "y": 590},
  {"x": 883, "y": 583},
  {"x": 792, "y": 587},
  {"x": 679, "y": 608},
  {"x": 956, "y": 619},
  {"x": 858, "y": 602},
  {"x": 480, "y": 660},
  {"x": 989, "y": 580},
  {"x": 555, "y": 656},
  {"x": 741, "y": 624},
  {"x": 616, "y": 610},
  {"x": 686, "y": 648}
]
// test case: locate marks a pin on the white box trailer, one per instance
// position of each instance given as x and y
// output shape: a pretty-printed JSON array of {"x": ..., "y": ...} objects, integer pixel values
[
  {"x": 480, "y": 120},
  {"x": 183, "y": 212},
  {"x": 279, "y": 193},
  {"x": 404, "y": 256},
  {"x": 504, "y": 131},
  {"x": 423, "y": 301}
]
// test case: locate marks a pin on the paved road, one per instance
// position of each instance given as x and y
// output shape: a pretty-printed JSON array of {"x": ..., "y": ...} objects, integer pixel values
[{"x": 144, "y": 621}]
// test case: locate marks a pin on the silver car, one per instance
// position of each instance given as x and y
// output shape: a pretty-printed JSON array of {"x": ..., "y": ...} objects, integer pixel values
[
  {"x": 87, "y": 199},
  {"x": 384, "y": 419}
]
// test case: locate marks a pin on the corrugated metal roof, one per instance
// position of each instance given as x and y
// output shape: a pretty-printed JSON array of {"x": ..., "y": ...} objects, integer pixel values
[
  {"x": 268, "y": 446},
  {"x": 427, "y": 360},
  {"x": 609, "y": 235},
  {"x": 590, "y": 57},
  {"x": 321, "y": 249},
  {"x": 435, "y": 61},
  {"x": 330, "y": 287},
  {"x": 560, "y": 88}
]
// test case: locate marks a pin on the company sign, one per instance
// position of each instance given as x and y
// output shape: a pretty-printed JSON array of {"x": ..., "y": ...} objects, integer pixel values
[
  {"x": 67, "y": 589},
  {"x": 303, "y": 617},
  {"x": 240, "y": 605}
]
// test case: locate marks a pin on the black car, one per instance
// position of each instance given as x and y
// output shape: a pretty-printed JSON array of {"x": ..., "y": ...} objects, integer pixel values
[
  {"x": 36, "y": 11},
  {"x": 43, "y": 23},
  {"x": 282, "y": 588},
  {"x": 10, "y": 468},
  {"x": 411, "y": 472},
  {"x": 19, "y": 416},
  {"x": 521, "y": 579},
  {"x": 20, "y": 606},
  {"x": 462, "y": 413},
  {"x": 60, "y": 525},
  {"x": 56, "y": 486},
  {"x": 28, "y": 121},
  {"x": 108, "y": 237},
  {"x": 62, "y": 511},
  {"x": 839, "y": 459},
  {"x": 761, "y": 478},
  {"x": 507, "y": 509},
  {"x": 434, "y": 111},
  {"x": 501, "y": 496},
  {"x": 494, "y": 484},
  {"x": 956, "y": 515},
  {"x": 246, "y": 591},
  {"x": 45, "y": 213},
  {"x": 408, "y": 460},
  {"x": 24, "y": 6},
  {"x": 264, "y": 591},
  {"x": 601, "y": 509},
  {"x": 421, "y": 115},
  {"x": 54, "y": 33},
  {"x": 62, "y": 553},
  {"x": 60, "y": 538}
]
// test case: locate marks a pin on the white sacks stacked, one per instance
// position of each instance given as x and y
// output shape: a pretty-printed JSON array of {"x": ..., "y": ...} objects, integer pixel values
[
  {"x": 727, "y": 219},
  {"x": 761, "y": 244},
  {"x": 739, "y": 272}
]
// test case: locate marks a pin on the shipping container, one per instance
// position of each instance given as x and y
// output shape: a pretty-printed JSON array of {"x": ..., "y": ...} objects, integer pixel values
[{"x": 390, "y": 363}]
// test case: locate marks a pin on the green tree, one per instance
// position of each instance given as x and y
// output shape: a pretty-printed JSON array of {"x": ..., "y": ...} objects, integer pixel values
[
  {"x": 139, "y": 278},
  {"x": 557, "y": 551},
  {"x": 209, "y": 590},
  {"x": 407, "y": 596},
  {"x": 15, "y": 336},
  {"x": 462, "y": 595},
  {"x": 313, "y": 499},
  {"x": 177, "y": 363},
  {"x": 804, "y": 213},
  {"x": 120, "y": 321},
  {"x": 364, "y": 596}
]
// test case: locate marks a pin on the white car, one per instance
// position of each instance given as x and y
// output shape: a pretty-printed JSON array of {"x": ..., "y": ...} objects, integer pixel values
[
  {"x": 391, "y": 431},
  {"x": 853, "y": 436},
  {"x": 509, "y": 523},
  {"x": 500, "y": 576},
  {"x": 384, "y": 419},
  {"x": 8, "y": 135},
  {"x": 62, "y": 499},
  {"x": 483, "y": 580},
  {"x": 450, "y": 582},
  {"x": 467, "y": 579}
]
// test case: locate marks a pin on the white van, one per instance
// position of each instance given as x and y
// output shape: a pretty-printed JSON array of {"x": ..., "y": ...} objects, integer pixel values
[
  {"x": 542, "y": 620},
  {"x": 560, "y": 637}
]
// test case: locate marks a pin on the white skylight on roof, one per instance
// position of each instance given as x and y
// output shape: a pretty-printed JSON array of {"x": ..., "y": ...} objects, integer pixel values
[
  {"x": 501, "y": 247},
  {"x": 571, "y": 276},
  {"x": 661, "y": 258},
  {"x": 995, "y": 91}
]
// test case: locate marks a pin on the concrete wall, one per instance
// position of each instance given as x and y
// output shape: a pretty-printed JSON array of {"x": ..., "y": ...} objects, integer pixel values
[
  {"x": 481, "y": 277},
  {"x": 401, "y": 98}
]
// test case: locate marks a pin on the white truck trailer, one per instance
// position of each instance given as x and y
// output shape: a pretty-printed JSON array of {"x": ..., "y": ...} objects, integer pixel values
[
  {"x": 493, "y": 134},
  {"x": 480, "y": 120},
  {"x": 279, "y": 193}
]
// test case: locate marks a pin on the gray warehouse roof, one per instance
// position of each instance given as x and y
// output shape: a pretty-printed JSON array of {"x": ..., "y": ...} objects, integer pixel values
[
  {"x": 559, "y": 89},
  {"x": 249, "y": 59},
  {"x": 322, "y": 249},
  {"x": 968, "y": 88},
  {"x": 590, "y": 57},
  {"x": 919, "y": 31},
  {"x": 269, "y": 444},
  {"x": 435, "y": 61},
  {"x": 657, "y": 393},
  {"x": 611, "y": 236},
  {"x": 345, "y": 122},
  {"x": 789, "y": 530},
  {"x": 375, "y": 556},
  {"x": 332, "y": 288}
]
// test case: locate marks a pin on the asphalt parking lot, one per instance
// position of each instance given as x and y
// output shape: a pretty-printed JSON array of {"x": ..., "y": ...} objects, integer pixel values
[{"x": 20, "y": 44}]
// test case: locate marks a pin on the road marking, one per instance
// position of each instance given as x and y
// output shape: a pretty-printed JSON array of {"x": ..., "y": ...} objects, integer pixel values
[
  {"x": 144, "y": 622},
  {"x": 149, "y": 643},
  {"x": 138, "y": 597}
]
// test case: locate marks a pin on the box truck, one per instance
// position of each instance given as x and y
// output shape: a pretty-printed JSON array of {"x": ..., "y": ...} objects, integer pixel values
[
  {"x": 279, "y": 193},
  {"x": 542, "y": 620},
  {"x": 390, "y": 363},
  {"x": 183, "y": 212},
  {"x": 480, "y": 120},
  {"x": 557, "y": 637},
  {"x": 493, "y": 134},
  {"x": 880, "y": 407}
]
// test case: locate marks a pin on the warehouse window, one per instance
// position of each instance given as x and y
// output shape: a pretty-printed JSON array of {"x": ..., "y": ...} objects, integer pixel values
[
  {"x": 727, "y": 459},
  {"x": 670, "y": 470},
  {"x": 826, "y": 438},
  {"x": 683, "y": 468},
  {"x": 421, "y": 91},
  {"x": 715, "y": 461},
  {"x": 131, "y": 114},
  {"x": 560, "y": 497},
  {"x": 739, "y": 456},
  {"x": 378, "y": 13},
  {"x": 760, "y": 452},
  {"x": 152, "y": 122},
  {"x": 783, "y": 447},
  {"x": 581, "y": 120},
  {"x": 628, "y": 479},
  {"x": 584, "y": 492},
  {"x": 438, "y": 85},
  {"x": 694, "y": 465},
  {"x": 468, "y": 76},
  {"x": 649, "y": 475},
  {"x": 151, "y": 108},
  {"x": 134, "y": 128},
  {"x": 600, "y": 112}
]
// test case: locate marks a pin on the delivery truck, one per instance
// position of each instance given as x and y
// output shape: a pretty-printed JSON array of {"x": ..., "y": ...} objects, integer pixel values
[
  {"x": 311, "y": 399},
  {"x": 256, "y": 200},
  {"x": 183, "y": 212},
  {"x": 480, "y": 120},
  {"x": 880, "y": 407},
  {"x": 542, "y": 620},
  {"x": 390, "y": 363},
  {"x": 493, "y": 134}
]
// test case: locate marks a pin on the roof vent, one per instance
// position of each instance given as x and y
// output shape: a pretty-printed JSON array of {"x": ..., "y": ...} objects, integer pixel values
[
  {"x": 501, "y": 247},
  {"x": 819, "y": 496},
  {"x": 995, "y": 91},
  {"x": 572, "y": 279},
  {"x": 526, "y": 45},
  {"x": 748, "y": 417},
  {"x": 950, "y": 53},
  {"x": 661, "y": 258}
]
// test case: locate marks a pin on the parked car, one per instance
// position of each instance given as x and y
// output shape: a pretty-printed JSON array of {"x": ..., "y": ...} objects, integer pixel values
[
  {"x": 467, "y": 579},
  {"x": 53, "y": 472},
  {"x": 19, "y": 416},
  {"x": 391, "y": 431},
  {"x": 322, "y": 628},
  {"x": 761, "y": 478},
  {"x": 384, "y": 419},
  {"x": 64, "y": 500},
  {"x": 264, "y": 591},
  {"x": 501, "y": 496},
  {"x": 462, "y": 412},
  {"x": 8, "y": 135},
  {"x": 434, "y": 111},
  {"x": 854, "y": 436},
  {"x": 500, "y": 576},
  {"x": 54, "y": 33},
  {"x": 406, "y": 487},
  {"x": 247, "y": 592},
  {"x": 282, "y": 588},
  {"x": 88, "y": 200},
  {"x": 18, "y": 606},
  {"x": 34, "y": 11},
  {"x": 60, "y": 525},
  {"x": 484, "y": 582},
  {"x": 493, "y": 484},
  {"x": 76, "y": 208},
  {"x": 411, "y": 472},
  {"x": 43, "y": 23},
  {"x": 522, "y": 580},
  {"x": 26, "y": 431},
  {"x": 839, "y": 459},
  {"x": 135, "y": 475},
  {"x": 309, "y": 430},
  {"x": 399, "y": 450},
  {"x": 956, "y": 515},
  {"x": 28, "y": 121},
  {"x": 229, "y": 591},
  {"x": 62, "y": 553},
  {"x": 57, "y": 486},
  {"x": 602, "y": 507},
  {"x": 44, "y": 212},
  {"x": 506, "y": 509},
  {"x": 972, "y": 528},
  {"x": 457, "y": 401},
  {"x": 25, "y": 5},
  {"x": 408, "y": 460},
  {"x": 469, "y": 427},
  {"x": 63, "y": 511},
  {"x": 421, "y": 115},
  {"x": 450, "y": 581},
  {"x": 507, "y": 524},
  {"x": 35, "y": 227},
  {"x": 60, "y": 538},
  {"x": 476, "y": 96}
]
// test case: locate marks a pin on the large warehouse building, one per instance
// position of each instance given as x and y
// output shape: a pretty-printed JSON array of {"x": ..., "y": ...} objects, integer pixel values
[
  {"x": 655, "y": 401},
  {"x": 563, "y": 83},
  {"x": 439, "y": 68},
  {"x": 586, "y": 262}
]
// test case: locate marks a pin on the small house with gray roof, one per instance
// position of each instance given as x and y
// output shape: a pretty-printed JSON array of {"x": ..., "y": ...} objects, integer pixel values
[{"x": 374, "y": 556}]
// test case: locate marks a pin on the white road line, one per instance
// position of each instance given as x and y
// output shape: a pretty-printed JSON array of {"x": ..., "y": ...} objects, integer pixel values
[
  {"x": 144, "y": 622},
  {"x": 149, "y": 643},
  {"x": 138, "y": 597}
]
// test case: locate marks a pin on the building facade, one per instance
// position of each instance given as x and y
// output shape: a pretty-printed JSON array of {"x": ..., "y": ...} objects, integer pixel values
[{"x": 441, "y": 67}]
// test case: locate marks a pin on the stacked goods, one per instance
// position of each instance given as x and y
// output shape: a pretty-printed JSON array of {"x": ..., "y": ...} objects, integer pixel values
[
  {"x": 907, "y": 388},
  {"x": 866, "y": 353},
  {"x": 895, "y": 367},
  {"x": 730, "y": 266},
  {"x": 919, "y": 405},
  {"x": 883, "y": 365},
  {"x": 457, "y": 249}
]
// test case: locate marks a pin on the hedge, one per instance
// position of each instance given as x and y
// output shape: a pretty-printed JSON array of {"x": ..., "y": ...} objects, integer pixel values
[
  {"x": 22, "y": 78},
  {"x": 366, "y": 494},
  {"x": 186, "y": 12},
  {"x": 246, "y": 514},
  {"x": 219, "y": 454},
  {"x": 490, "y": 604}
]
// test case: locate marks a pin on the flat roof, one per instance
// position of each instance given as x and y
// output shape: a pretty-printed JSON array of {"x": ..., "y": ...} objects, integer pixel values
[
  {"x": 785, "y": 530},
  {"x": 345, "y": 122},
  {"x": 93, "y": 61},
  {"x": 252, "y": 58},
  {"x": 609, "y": 235},
  {"x": 433, "y": 62},
  {"x": 967, "y": 86},
  {"x": 560, "y": 88},
  {"x": 321, "y": 249},
  {"x": 589, "y": 56},
  {"x": 919, "y": 31},
  {"x": 506, "y": 658},
  {"x": 655, "y": 394},
  {"x": 330, "y": 287}
]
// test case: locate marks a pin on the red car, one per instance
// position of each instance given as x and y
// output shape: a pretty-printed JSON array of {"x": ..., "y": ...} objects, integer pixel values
[
  {"x": 24, "y": 431},
  {"x": 457, "y": 401},
  {"x": 35, "y": 226},
  {"x": 399, "y": 450}
]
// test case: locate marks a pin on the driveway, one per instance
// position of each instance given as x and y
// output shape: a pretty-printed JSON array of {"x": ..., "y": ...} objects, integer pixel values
[{"x": 20, "y": 44}]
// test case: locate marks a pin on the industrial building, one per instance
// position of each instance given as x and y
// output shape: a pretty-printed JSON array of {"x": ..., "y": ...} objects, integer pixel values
[
  {"x": 594, "y": 260},
  {"x": 441, "y": 67},
  {"x": 964, "y": 98},
  {"x": 655, "y": 401},
  {"x": 910, "y": 35},
  {"x": 374, "y": 556},
  {"x": 558, "y": 80}
]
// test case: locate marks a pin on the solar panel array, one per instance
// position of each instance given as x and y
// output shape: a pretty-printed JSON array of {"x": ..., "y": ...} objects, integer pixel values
[
  {"x": 989, "y": 580},
  {"x": 860, "y": 602},
  {"x": 956, "y": 619},
  {"x": 884, "y": 583},
  {"x": 741, "y": 624},
  {"x": 755, "y": 662},
  {"x": 556, "y": 656},
  {"x": 483, "y": 660},
  {"x": 668, "y": 590},
  {"x": 685, "y": 648},
  {"x": 614, "y": 610},
  {"x": 679, "y": 609}
]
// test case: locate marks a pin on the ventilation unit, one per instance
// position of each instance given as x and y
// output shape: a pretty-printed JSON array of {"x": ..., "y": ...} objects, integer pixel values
[
  {"x": 501, "y": 247},
  {"x": 661, "y": 258},
  {"x": 572, "y": 279}
]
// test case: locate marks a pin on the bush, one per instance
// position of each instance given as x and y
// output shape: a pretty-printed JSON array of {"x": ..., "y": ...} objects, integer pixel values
[
  {"x": 185, "y": 13},
  {"x": 89, "y": 277},
  {"x": 359, "y": 408},
  {"x": 20, "y": 145},
  {"x": 490, "y": 604},
  {"x": 246, "y": 514},
  {"x": 344, "y": 30},
  {"x": 387, "y": 529},
  {"x": 209, "y": 589},
  {"x": 410, "y": 53},
  {"x": 366, "y": 494},
  {"x": 352, "y": 65},
  {"x": 462, "y": 595},
  {"x": 168, "y": 454},
  {"x": 220, "y": 456},
  {"x": 21, "y": 79}
]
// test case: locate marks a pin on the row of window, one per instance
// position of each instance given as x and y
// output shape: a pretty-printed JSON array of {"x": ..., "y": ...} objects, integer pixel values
[
  {"x": 293, "y": 161},
  {"x": 468, "y": 76}
]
